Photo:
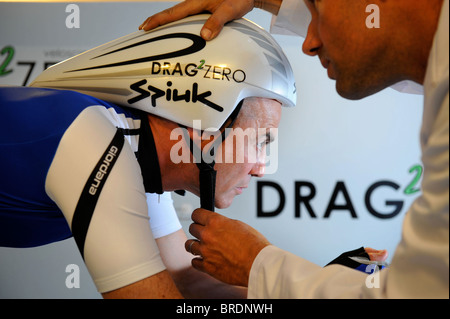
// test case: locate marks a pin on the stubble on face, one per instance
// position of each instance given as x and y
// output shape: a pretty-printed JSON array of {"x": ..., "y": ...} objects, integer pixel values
[{"x": 358, "y": 58}]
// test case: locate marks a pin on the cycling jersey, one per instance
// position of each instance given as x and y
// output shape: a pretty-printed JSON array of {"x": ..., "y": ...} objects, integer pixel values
[{"x": 71, "y": 164}]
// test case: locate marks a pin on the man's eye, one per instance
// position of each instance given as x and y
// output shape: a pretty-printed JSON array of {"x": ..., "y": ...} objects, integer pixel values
[
  {"x": 259, "y": 146},
  {"x": 263, "y": 143}
]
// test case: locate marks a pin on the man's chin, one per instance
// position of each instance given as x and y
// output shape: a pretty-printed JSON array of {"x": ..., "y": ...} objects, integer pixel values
[
  {"x": 353, "y": 90},
  {"x": 223, "y": 203},
  {"x": 220, "y": 206}
]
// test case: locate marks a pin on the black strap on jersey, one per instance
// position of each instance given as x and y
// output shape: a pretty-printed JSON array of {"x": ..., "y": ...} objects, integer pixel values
[
  {"x": 148, "y": 158},
  {"x": 148, "y": 161},
  {"x": 92, "y": 190}
]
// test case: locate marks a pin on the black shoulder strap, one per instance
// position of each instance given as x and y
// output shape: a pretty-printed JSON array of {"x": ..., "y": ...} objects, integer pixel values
[
  {"x": 92, "y": 190},
  {"x": 148, "y": 158}
]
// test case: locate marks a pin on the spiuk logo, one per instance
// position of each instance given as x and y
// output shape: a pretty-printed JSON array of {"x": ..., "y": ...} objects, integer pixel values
[{"x": 170, "y": 94}]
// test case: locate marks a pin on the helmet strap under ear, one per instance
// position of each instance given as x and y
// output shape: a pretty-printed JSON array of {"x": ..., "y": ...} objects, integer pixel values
[
  {"x": 207, "y": 173},
  {"x": 207, "y": 178}
]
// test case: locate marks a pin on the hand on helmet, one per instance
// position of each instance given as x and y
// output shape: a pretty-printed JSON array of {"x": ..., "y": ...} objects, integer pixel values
[{"x": 222, "y": 11}]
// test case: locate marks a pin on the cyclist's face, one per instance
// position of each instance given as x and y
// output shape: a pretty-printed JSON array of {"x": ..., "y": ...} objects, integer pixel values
[{"x": 243, "y": 153}]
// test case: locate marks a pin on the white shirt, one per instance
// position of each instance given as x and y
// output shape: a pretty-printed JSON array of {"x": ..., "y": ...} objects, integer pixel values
[{"x": 420, "y": 266}]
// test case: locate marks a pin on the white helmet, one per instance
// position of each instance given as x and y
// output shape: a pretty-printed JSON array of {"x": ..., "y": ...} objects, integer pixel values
[{"x": 175, "y": 74}]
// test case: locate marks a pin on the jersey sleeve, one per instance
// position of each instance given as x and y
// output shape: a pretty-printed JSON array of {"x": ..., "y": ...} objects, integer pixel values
[
  {"x": 163, "y": 217},
  {"x": 118, "y": 246}
]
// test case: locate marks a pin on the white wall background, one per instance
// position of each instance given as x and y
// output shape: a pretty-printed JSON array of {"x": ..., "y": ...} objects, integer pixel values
[{"x": 324, "y": 140}]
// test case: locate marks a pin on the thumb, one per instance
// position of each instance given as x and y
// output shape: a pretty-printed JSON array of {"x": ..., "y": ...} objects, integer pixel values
[
  {"x": 213, "y": 26},
  {"x": 225, "y": 12}
]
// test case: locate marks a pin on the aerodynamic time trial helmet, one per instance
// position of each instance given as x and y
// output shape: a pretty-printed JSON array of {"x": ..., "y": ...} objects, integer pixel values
[{"x": 175, "y": 74}]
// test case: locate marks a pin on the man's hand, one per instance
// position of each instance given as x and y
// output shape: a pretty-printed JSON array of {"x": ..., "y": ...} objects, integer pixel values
[
  {"x": 222, "y": 11},
  {"x": 376, "y": 255},
  {"x": 227, "y": 247}
]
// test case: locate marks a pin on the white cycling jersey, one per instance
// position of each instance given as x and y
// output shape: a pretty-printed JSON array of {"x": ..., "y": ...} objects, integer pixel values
[{"x": 80, "y": 163}]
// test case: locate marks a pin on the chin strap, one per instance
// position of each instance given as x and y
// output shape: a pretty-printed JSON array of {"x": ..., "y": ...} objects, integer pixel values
[
  {"x": 207, "y": 173},
  {"x": 207, "y": 177}
]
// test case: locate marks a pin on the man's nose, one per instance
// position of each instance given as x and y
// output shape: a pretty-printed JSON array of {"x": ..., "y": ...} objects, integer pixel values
[
  {"x": 312, "y": 42},
  {"x": 259, "y": 168}
]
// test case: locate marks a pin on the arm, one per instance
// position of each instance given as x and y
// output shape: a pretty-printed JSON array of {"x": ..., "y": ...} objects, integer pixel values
[
  {"x": 235, "y": 253},
  {"x": 222, "y": 11},
  {"x": 191, "y": 282},
  {"x": 119, "y": 249},
  {"x": 419, "y": 268},
  {"x": 158, "y": 286}
]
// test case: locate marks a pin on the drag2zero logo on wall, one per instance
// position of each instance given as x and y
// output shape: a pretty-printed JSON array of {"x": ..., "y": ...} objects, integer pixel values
[{"x": 305, "y": 192}]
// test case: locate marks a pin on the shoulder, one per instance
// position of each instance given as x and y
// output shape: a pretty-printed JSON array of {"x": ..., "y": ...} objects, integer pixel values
[
  {"x": 62, "y": 100},
  {"x": 54, "y": 105}
]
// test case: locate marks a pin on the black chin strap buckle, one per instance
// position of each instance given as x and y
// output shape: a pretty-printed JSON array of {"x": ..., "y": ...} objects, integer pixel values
[{"x": 207, "y": 178}]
